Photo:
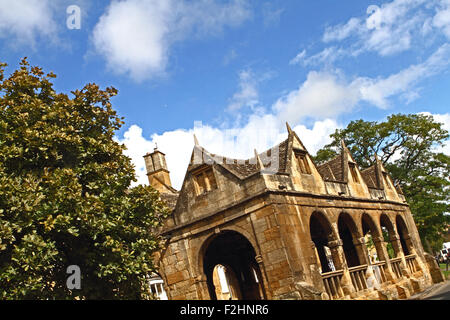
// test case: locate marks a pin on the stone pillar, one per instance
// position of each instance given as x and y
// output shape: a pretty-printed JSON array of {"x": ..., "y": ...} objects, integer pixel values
[
  {"x": 418, "y": 262},
  {"x": 265, "y": 283},
  {"x": 202, "y": 287},
  {"x": 337, "y": 252},
  {"x": 361, "y": 250},
  {"x": 395, "y": 241},
  {"x": 410, "y": 245},
  {"x": 315, "y": 268},
  {"x": 381, "y": 249},
  {"x": 380, "y": 245}
]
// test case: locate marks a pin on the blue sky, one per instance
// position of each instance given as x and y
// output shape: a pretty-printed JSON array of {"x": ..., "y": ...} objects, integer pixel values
[{"x": 234, "y": 71}]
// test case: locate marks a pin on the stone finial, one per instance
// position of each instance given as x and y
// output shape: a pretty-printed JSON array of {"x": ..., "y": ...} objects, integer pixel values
[
  {"x": 343, "y": 146},
  {"x": 289, "y": 129},
  {"x": 376, "y": 158},
  {"x": 258, "y": 160},
  {"x": 196, "y": 140}
]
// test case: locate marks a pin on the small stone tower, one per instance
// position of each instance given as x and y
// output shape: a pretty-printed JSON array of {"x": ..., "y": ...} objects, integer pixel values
[{"x": 158, "y": 175}]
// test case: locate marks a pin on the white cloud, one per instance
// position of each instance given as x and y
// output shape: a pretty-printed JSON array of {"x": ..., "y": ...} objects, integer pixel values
[
  {"x": 377, "y": 91},
  {"x": 322, "y": 95},
  {"x": 319, "y": 135},
  {"x": 299, "y": 57},
  {"x": 444, "y": 119},
  {"x": 25, "y": 20},
  {"x": 342, "y": 31},
  {"x": 442, "y": 18},
  {"x": 131, "y": 36},
  {"x": 247, "y": 96},
  {"x": 329, "y": 94},
  {"x": 135, "y": 36},
  {"x": 325, "y": 57},
  {"x": 390, "y": 28},
  {"x": 137, "y": 146}
]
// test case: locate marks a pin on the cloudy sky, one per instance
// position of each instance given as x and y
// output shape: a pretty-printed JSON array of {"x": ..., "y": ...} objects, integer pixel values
[{"x": 234, "y": 71}]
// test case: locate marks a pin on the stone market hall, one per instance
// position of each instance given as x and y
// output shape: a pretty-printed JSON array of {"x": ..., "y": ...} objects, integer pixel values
[{"x": 279, "y": 226}]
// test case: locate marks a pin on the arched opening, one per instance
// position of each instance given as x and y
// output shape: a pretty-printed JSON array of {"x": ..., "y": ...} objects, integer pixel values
[
  {"x": 348, "y": 232},
  {"x": 375, "y": 252},
  {"x": 371, "y": 234},
  {"x": 387, "y": 230},
  {"x": 321, "y": 233},
  {"x": 231, "y": 269},
  {"x": 403, "y": 234},
  {"x": 226, "y": 283}
]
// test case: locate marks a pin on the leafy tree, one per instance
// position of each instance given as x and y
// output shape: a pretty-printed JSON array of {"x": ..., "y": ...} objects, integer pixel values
[
  {"x": 65, "y": 196},
  {"x": 406, "y": 145}
]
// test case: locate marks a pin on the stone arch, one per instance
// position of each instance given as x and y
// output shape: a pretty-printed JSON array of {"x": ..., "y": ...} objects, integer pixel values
[
  {"x": 403, "y": 233},
  {"x": 367, "y": 221},
  {"x": 235, "y": 251},
  {"x": 373, "y": 238},
  {"x": 389, "y": 235},
  {"x": 349, "y": 234},
  {"x": 322, "y": 234},
  {"x": 325, "y": 222},
  {"x": 205, "y": 241}
]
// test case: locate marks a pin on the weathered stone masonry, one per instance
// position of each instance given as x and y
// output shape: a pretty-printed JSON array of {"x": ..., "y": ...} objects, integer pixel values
[{"x": 284, "y": 228}]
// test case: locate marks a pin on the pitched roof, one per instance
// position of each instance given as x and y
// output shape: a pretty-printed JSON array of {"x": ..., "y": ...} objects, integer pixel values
[
  {"x": 333, "y": 169},
  {"x": 245, "y": 168},
  {"x": 369, "y": 176}
]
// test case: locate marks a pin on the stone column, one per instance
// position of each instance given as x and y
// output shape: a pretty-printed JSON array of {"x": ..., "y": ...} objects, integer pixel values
[
  {"x": 202, "y": 287},
  {"x": 410, "y": 245},
  {"x": 361, "y": 250},
  {"x": 337, "y": 252},
  {"x": 315, "y": 268},
  {"x": 418, "y": 262},
  {"x": 265, "y": 283},
  {"x": 380, "y": 245},
  {"x": 380, "y": 248},
  {"x": 395, "y": 241}
]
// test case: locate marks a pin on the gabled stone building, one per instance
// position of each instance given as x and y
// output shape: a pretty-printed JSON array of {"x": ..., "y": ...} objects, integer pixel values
[{"x": 284, "y": 228}]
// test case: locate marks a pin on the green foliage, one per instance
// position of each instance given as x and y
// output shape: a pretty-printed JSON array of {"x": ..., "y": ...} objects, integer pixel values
[
  {"x": 406, "y": 145},
  {"x": 65, "y": 196}
]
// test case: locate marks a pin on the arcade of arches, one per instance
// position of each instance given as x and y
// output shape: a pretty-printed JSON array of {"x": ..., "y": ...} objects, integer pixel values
[{"x": 358, "y": 256}]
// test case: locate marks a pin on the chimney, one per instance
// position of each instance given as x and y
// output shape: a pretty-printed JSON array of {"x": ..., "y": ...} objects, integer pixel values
[{"x": 157, "y": 173}]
